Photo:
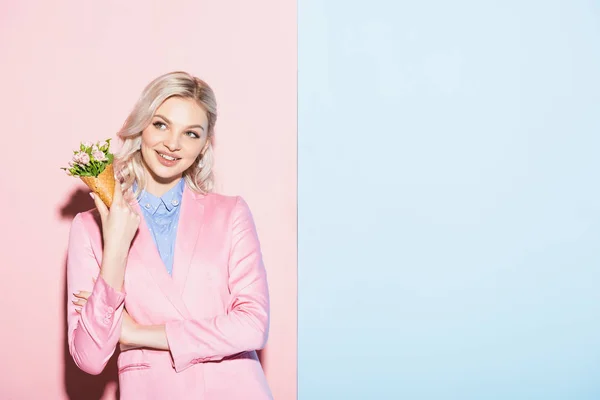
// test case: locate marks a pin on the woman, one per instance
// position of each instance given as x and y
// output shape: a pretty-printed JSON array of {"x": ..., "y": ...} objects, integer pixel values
[{"x": 175, "y": 276}]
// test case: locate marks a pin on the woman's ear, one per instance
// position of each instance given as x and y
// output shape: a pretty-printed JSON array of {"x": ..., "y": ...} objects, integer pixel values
[{"x": 203, "y": 151}]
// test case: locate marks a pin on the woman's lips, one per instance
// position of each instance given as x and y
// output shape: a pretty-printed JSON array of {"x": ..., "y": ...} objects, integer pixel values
[{"x": 164, "y": 161}]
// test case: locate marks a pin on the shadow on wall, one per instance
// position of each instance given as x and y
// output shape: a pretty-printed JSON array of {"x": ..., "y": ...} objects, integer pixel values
[
  {"x": 80, "y": 385},
  {"x": 79, "y": 201}
]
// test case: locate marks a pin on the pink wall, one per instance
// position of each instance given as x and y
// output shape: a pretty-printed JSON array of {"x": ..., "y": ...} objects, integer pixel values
[{"x": 71, "y": 71}]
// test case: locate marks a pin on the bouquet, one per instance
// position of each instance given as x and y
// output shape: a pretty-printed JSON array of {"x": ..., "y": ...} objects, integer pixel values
[{"x": 93, "y": 164}]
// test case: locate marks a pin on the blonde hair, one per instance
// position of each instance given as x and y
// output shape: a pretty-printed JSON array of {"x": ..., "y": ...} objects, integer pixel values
[{"x": 128, "y": 161}]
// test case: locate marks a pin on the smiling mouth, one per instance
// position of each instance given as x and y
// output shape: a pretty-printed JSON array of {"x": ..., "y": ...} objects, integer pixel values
[{"x": 167, "y": 157}]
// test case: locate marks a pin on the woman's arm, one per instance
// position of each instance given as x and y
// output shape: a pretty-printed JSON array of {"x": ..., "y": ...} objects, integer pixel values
[
  {"x": 93, "y": 333},
  {"x": 245, "y": 326}
]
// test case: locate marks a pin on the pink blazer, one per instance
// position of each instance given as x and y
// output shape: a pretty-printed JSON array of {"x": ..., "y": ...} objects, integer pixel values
[{"x": 215, "y": 306}]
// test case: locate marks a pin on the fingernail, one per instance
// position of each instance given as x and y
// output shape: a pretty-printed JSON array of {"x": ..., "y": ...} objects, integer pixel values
[
  {"x": 92, "y": 195},
  {"x": 77, "y": 292}
]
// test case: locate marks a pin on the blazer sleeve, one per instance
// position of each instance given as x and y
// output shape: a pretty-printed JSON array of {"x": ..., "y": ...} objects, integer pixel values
[
  {"x": 92, "y": 335},
  {"x": 245, "y": 326}
]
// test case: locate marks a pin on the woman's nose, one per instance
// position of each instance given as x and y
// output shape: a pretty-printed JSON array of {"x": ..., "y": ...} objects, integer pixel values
[{"x": 172, "y": 142}]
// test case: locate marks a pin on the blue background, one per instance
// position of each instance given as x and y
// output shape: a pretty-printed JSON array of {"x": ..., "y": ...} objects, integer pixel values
[{"x": 449, "y": 201}]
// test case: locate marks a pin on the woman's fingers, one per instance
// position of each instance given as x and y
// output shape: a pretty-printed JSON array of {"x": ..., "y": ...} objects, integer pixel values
[
  {"x": 82, "y": 294},
  {"x": 118, "y": 193},
  {"x": 102, "y": 209},
  {"x": 79, "y": 302},
  {"x": 82, "y": 297}
]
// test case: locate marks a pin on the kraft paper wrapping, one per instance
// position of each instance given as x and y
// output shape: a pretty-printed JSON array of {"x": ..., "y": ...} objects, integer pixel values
[{"x": 103, "y": 185}]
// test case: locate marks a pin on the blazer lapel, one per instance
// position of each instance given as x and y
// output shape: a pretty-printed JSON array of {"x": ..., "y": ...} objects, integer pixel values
[
  {"x": 188, "y": 232},
  {"x": 145, "y": 249}
]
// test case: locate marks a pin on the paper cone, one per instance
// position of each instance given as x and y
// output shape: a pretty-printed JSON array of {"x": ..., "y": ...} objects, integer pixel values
[{"x": 103, "y": 185}]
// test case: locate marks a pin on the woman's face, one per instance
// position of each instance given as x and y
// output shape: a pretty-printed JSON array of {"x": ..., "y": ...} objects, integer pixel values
[{"x": 175, "y": 137}]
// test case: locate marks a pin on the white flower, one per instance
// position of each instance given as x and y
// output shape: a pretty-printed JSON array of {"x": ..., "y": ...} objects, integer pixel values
[{"x": 99, "y": 156}]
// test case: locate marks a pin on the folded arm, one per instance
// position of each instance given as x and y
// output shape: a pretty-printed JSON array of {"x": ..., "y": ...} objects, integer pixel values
[{"x": 245, "y": 326}]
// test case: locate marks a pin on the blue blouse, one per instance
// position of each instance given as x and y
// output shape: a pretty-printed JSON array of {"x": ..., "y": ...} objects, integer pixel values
[{"x": 162, "y": 217}]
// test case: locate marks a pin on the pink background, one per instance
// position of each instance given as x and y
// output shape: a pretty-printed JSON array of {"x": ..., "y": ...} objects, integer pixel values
[{"x": 71, "y": 71}]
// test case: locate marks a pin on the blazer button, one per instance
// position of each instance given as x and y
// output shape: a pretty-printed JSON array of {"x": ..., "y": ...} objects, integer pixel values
[
  {"x": 106, "y": 321},
  {"x": 110, "y": 309}
]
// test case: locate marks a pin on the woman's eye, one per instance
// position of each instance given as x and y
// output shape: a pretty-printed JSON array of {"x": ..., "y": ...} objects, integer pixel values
[
  {"x": 159, "y": 125},
  {"x": 192, "y": 134}
]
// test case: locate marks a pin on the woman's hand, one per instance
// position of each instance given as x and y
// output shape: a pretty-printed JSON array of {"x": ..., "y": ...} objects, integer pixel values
[
  {"x": 82, "y": 297},
  {"x": 128, "y": 327},
  {"x": 119, "y": 223}
]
